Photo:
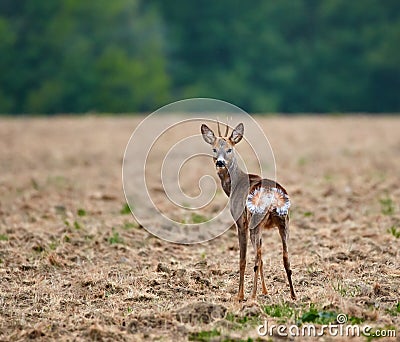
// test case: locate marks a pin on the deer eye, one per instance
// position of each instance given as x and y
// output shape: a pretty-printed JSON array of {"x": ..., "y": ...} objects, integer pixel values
[
  {"x": 214, "y": 150},
  {"x": 229, "y": 150}
]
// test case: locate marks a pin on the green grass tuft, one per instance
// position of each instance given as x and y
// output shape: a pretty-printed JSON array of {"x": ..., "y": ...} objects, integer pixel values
[
  {"x": 283, "y": 311},
  {"x": 355, "y": 320},
  {"x": 53, "y": 245},
  {"x": 197, "y": 218},
  {"x": 81, "y": 212},
  {"x": 242, "y": 322},
  {"x": 125, "y": 209},
  {"x": 204, "y": 336},
  {"x": 3, "y": 237},
  {"x": 115, "y": 238},
  {"x": 129, "y": 225},
  {"x": 345, "y": 290},
  {"x": 393, "y": 230},
  {"x": 315, "y": 316},
  {"x": 387, "y": 206},
  {"x": 395, "y": 311}
]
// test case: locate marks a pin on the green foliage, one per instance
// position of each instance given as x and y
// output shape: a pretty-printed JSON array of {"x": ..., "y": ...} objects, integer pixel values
[
  {"x": 312, "y": 314},
  {"x": 265, "y": 56},
  {"x": 345, "y": 290},
  {"x": 81, "y": 212},
  {"x": 283, "y": 311},
  {"x": 355, "y": 320},
  {"x": 115, "y": 238},
  {"x": 393, "y": 230},
  {"x": 99, "y": 55},
  {"x": 125, "y": 209},
  {"x": 242, "y": 322},
  {"x": 315, "y": 316},
  {"x": 195, "y": 219},
  {"x": 395, "y": 311},
  {"x": 288, "y": 56},
  {"x": 89, "y": 237},
  {"x": 387, "y": 206},
  {"x": 198, "y": 218},
  {"x": 3, "y": 237},
  {"x": 53, "y": 245},
  {"x": 129, "y": 225},
  {"x": 204, "y": 336}
]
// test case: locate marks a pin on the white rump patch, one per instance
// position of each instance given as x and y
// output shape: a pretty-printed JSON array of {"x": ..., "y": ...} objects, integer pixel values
[{"x": 261, "y": 200}]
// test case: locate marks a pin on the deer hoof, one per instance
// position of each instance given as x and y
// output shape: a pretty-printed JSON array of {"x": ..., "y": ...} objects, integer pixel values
[{"x": 240, "y": 297}]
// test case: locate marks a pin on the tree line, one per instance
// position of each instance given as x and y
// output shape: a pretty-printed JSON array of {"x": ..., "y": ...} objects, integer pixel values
[{"x": 72, "y": 56}]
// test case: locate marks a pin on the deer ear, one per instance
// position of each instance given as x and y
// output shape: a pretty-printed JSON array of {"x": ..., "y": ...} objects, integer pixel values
[
  {"x": 208, "y": 134},
  {"x": 237, "y": 134}
]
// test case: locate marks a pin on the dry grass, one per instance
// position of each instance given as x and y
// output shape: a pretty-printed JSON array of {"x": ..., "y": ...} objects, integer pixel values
[{"x": 74, "y": 266}]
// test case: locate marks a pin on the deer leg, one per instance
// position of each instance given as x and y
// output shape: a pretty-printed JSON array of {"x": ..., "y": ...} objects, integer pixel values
[
  {"x": 243, "y": 238},
  {"x": 264, "y": 288},
  {"x": 284, "y": 233},
  {"x": 256, "y": 242}
]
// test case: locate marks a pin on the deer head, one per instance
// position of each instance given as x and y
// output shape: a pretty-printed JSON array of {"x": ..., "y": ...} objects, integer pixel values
[{"x": 223, "y": 146}]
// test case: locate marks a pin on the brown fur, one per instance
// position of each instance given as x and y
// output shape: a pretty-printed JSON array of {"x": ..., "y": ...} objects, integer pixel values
[{"x": 231, "y": 174}]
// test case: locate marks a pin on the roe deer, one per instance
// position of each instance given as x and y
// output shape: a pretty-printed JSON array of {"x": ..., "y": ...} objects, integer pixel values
[{"x": 255, "y": 203}]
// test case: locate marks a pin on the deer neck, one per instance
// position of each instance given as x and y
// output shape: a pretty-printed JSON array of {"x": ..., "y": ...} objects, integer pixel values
[
  {"x": 236, "y": 174},
  {"x": 231, "y": 177}
]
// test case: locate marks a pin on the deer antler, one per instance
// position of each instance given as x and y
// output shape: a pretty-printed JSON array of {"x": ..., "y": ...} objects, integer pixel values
[
  {"x": 219, "y": 129},
  {"x": 227, "y": 130}
]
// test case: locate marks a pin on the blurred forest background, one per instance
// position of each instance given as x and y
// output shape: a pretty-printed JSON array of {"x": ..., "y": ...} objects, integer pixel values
[{"x": 74, "y": 56}]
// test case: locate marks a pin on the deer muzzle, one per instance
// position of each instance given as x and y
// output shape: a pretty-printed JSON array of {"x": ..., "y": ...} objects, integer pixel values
[{"x": 220, "y": 163}]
